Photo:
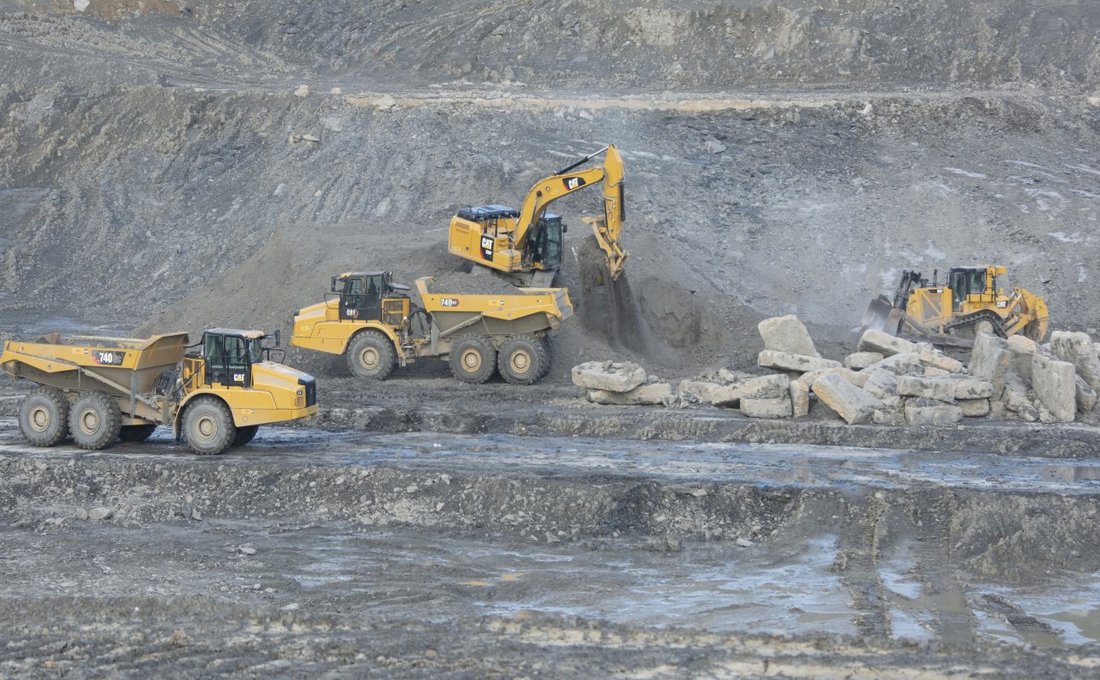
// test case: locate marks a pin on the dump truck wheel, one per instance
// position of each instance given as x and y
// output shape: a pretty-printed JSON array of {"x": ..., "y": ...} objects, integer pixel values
[
  {"x": 44, "y": 416},
  {"x": 245, "y": 434},
  {"x": 95, "y": 421},
  {"x": 522, "y": 360},
  {"x": 208, "y": 427},
  {"x": 473, "y": 359},
  {"x": 136, "y": 433},
  {"x": 549, "y": 356},
  {"x": 371, "y": 356}
]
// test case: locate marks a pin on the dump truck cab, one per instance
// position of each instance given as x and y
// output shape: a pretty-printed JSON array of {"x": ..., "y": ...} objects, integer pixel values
[{"x": 371, "y": 296}]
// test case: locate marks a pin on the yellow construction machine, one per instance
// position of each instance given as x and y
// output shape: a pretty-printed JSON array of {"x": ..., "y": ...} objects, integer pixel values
[
  {"x": 100, "y": 389},
  {"x": 525, "y": 245},
  {"x": 972, "y": 300},
  {"x": 373, "y": 322}
]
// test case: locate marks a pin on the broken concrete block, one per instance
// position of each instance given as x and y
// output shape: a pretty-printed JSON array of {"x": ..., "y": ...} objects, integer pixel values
[
  {"x": 800, "y": 399},
  {"x": 787, "y": 334},
  {"x": 974, "y": 408},
  {"x": 608, "y": 376},
  {"x": 767, "y": 408},
  {"x": 876, "y": 341},
  {"x": 785, "y": 361},
  {"x": 644, "y": 395},
  {"x": 880, "y": 382},
  {"x": 905, "y": 363},
  {"x": 1077, "y": 349},
  {"x": 931, "y": 413},
  {"x": 1055, "y": 383},
  {"x": 760, "y": 387},
  {"x": 696, "y": 390},
  {"x": 853, "y": 404},
  {"x": 1016, "y": 399},
  {"x": 857, "y": 361},
  {"x": 1021, "y": 348},
  {"x": 930, "y": 357},
  {"x": 931, "y": 388},
  {"x": 1086, "y": 396},
  {"x": 972, "y": 388},
  {"x": 855, "y": 377}
]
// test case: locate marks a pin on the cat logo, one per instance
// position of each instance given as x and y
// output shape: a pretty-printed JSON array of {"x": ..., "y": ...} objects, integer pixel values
[
  {"x": 487, "y": 247},
  {"x": 238, "y": 377},
  {"x": 572, "y": 183}
]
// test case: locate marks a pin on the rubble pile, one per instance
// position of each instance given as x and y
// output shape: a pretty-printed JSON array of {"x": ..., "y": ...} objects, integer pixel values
[{"x": 887, "y": 381}]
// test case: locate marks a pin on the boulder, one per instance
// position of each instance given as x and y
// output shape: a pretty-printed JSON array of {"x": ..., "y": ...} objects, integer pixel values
[
  {"x": 608, "y": 376},
  {"x": 785, "y": 361},
  {"x": 931, "y": 357},
  {"x": 1086, "y": 396},
  {"x": 767, "y": 408},
  {"x": 644, "y": 395},
  {"x": 990, "y": 359},
  {"x": 787, "y": 334},
  {"x": 972, "y": 388},
  {"x": 906, "y": 363},
  {"x": 1016, "y": 399},
  {"x": 696, "y": 390},
  {"x": 1021, "y": 349},
  {"x": 855, "y": 377},
  {"x": 800, "y": 399},
  {"x": 1077, "y": 349},
  {"x": 880, "y": 382},
  {"x": 760, "y": 387},
  {"x": 1055, "y": 384},
  {"x": 931, "y": 388},
  {"x": 974, "y": 408},
  {"x": 931, "y": 413},
  {"x": 857, "y": 361},
  {"x": 876, "y": 341},
  {"x": 853, "y": 404}
]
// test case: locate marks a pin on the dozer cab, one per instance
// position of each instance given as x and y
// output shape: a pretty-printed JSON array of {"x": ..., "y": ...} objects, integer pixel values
[
  {"x": 98, "y": 389},
  {"x": 373, "y": 322},
  {"x": 525, "y": 246},
  {"x": 972, "y": 300}
]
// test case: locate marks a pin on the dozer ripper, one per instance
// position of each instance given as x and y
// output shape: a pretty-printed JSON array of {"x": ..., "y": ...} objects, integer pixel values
[
  {"x": 99, "y": 389},
  {"x": 972, "y": 300},
  {"x": 372, "y": 322},
  {"x": 525, "y": 246}
]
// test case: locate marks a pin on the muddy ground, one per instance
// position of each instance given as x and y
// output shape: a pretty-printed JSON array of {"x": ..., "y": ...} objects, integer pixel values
[{"x": 163, "y": 168}]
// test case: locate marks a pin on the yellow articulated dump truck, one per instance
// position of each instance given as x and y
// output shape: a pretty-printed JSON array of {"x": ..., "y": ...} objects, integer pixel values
[
  {"x": 98, "y": 390},
  {"x": 373, "y": 322}
]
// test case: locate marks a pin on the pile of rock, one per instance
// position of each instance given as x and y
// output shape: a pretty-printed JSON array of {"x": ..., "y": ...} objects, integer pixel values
[{"x": 888, "y": 381}]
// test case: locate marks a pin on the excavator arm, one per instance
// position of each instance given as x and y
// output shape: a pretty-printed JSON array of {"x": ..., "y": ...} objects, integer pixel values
[{"x": 608, "y": 229}]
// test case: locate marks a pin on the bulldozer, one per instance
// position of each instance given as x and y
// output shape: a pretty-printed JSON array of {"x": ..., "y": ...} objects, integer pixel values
[
  {"x": 525, "y": 246},
  {"x": 972, "y": 300}
]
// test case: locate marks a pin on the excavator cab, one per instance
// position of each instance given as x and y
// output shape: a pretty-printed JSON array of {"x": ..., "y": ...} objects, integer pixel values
[
  {"x": 371, "y": 296},
  {"x": 544, "y": 245}
]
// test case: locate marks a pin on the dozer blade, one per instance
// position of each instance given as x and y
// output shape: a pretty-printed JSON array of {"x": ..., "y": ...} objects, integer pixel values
[{"x": 883, "y": 316}]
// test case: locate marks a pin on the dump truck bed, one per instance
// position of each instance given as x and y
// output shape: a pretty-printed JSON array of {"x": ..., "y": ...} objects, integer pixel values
[
  {"x": 116, "y": 365},
  {"x": 554, "y": 303}
]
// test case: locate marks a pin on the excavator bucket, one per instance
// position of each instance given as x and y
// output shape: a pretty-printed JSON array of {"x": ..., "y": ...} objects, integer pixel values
[{"x": 881, "y": 315}]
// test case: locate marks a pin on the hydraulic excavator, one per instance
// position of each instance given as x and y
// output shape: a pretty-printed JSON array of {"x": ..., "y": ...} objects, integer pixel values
[
  {"x": 525, "y": 246},
  {"x": 972, "y": 300}
]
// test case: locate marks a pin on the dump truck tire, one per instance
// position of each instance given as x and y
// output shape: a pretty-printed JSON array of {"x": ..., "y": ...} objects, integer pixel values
[
  {"x": 549, "y": 356},
  {"x": 44, "y": 416},
  {"x": 371, "y": 356},
  {"x": 473, "y": 359},
  {"x": 95, "y": 421},
  {"x": 245, "y": 434},
  {"x": 208, "y": 426},
  {"x": 136, "y": 433},
  {"x": 522, "y": 360}
]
